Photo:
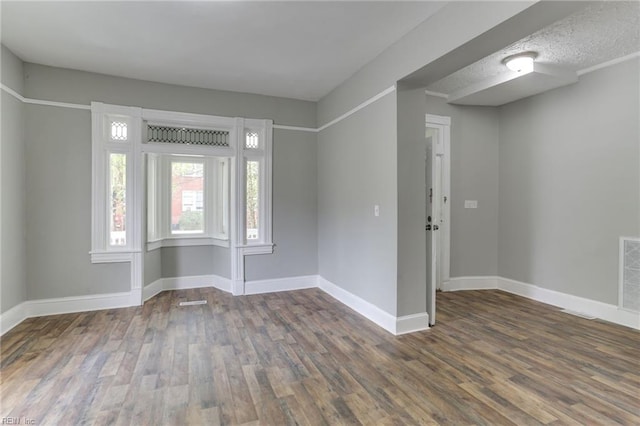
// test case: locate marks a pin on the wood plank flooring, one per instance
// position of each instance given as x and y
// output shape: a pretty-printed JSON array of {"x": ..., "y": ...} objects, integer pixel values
[{"x": 300, "y": 357}]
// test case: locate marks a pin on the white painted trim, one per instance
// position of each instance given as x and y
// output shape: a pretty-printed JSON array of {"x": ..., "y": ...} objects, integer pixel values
[
  {"x": 56, "y": 104},
  {"x": 359, "y": 107},
  {"x": 470, "y": 283},
  {"x": 412, "y": 323},
  {"x": 13, "y": 317},
  {"x": 35, "y": 308},
  {"x": 111, "y": 256},
  {"x": 249, "y": 250},
  {"x": 12, "y": 92},
  {"x": 590, "y": 307},
  {"x": 40, "y": 101},
  {"x": 280, "y": 284},
  {"x": 436, "y": 94},
  {"x": 184, "y": 283},
  {"x": 604, "y": 311},
  {"x": 609, "y": 63},
  {"x": 300, "y": 129},
  {"x": 67, "y": 305},
  {"x": 361, "y": 306},
  {"x": 186, "y": 242}
]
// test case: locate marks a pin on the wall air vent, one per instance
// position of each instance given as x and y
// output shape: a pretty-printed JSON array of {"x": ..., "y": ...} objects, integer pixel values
[
  {"x": 187, "y": 136},
  {"x": 629, "y": 275}
]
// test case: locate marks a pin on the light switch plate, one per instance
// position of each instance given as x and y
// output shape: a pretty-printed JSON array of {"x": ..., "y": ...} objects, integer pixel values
[
  {"x": 470, "y": 204},
  {"x": 376, "y": 210}
]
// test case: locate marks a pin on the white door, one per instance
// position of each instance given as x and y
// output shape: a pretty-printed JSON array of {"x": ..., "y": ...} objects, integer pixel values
[{"x": 437, "y": 229}]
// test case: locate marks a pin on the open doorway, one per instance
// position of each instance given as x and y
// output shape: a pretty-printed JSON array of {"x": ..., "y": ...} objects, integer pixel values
[{"x": 437, "y": 187}]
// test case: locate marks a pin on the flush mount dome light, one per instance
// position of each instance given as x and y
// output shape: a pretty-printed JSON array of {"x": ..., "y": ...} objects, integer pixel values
[{"x": 521, "y": 62}]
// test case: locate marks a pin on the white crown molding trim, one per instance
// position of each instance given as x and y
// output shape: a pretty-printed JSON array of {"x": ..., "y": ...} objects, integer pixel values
[
  {"x": 471, "y": 283},
  {"x": 359, "y": 107},
  {"x": 184, "y": 283},
  {"x": 12, "y": 92},
  {"x": 300, "y": 129},
  {"x": 13, "y": 317},
  {"x": 42, "y": 102},
  {"x": 280, "y": 284},
  {"x": 604, "y": 311},
  {"x": 361, "y": 306},
  {"x": 412, "y": 323},
  {"x": 609, "y": 63}
]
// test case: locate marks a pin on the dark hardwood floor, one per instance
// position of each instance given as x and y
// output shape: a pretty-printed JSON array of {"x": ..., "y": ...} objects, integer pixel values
[{"x": 300, "y": 357}]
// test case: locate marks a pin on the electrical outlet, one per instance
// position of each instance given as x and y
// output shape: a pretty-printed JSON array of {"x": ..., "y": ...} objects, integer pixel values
[{"x": 470, "y": 204}]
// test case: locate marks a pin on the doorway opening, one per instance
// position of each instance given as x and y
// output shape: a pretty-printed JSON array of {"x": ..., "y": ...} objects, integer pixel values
[{"x": 438, "y": 199}]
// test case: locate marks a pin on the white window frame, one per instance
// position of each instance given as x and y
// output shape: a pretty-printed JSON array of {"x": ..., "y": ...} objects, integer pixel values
[
  {"x": 263, "y": 155},
  {"x": 102, "y": 147},
  {"x": 159, "y": 198},
  {"x": 135, "y": 146}
]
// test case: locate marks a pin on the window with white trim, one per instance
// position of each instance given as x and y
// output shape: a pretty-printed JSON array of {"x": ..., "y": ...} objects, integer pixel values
[
  {"x": 187, "y": 198},
  {"x": 206, "y": 178},
  {"x": 114, "y": 134}
]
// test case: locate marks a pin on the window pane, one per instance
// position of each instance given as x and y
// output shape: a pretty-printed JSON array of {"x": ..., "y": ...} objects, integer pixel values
[
  {"x": 118, "y": 193},
  {"x": 251, "y": 140},
  {"x": 253, "y": 202},
  {"x": 118, "y": 131},
  {"x": 187, "y": 198}
]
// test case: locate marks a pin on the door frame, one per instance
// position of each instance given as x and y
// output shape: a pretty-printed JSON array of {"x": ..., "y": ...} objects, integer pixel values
[{"x": 443, "y": 124}]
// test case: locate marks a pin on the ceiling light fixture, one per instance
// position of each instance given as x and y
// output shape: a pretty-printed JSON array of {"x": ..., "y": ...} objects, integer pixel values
[{"x": 521, "y": 62}]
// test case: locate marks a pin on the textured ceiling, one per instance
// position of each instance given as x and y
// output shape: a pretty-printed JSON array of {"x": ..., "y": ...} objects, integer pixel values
[
  {"x": 292, "y": 49},
  {"x": 601, "y": 32}
]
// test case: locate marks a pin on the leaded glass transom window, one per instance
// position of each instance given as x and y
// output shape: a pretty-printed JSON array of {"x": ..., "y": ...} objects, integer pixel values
[
  {"x": 187, "y": 136},
  {"x": 252, "y": 140},
  {"x": 118, "y": 131}
]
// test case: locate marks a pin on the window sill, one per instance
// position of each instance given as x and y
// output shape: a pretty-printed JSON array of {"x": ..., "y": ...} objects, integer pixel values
[
  {"x": 111, "y": 256},
  {"x": 186, "y": 242},
  {"x": 261, "y": 248}
]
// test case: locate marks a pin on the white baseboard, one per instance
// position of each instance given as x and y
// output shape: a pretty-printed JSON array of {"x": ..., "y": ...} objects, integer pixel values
[
  {"x": 183, "y": 283},
  {"x": 411, "y": 323},
  {"x": 604, "y": 311},
  {"x": 470, "y": 283},
  {"x": 68, "y": 305},
  {"x": 361, "y": 306},
  {"x": 13, "y": 317},
  {"x": 34, "y": 308},
  {"x": 64, "y": 305},
  {"x": 280, "y": 284}
]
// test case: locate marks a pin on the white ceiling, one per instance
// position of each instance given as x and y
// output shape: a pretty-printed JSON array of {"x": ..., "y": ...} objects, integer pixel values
[
  {"x": 599, "y": 33},
  {"x": 299, "y": 50}
]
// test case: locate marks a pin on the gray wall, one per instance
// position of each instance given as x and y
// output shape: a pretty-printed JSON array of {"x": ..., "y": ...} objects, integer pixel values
[
  {"x": 570, "y": 183},
  {"x": 152, "y": 266},
  {"x": 58, "y": 152},
  {"x": 474, "y": 175},
  {"x": 12, "y": 177},
  {"x": 195, "y": 260},
  {"x": 357, "y": 169},
  {"x": 59, "y": 182},
  {"x": 295, "y": 210},
  {"x": 358, "y": 165}
]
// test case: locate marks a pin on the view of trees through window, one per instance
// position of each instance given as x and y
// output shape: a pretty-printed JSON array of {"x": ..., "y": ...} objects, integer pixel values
[
  {"x": 187, "y": 197},
  {"x": 253, "y": 189},
  {"x": 118, "y": 191}
]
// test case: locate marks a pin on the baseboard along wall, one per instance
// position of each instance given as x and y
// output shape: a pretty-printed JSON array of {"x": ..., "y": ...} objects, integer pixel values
[
  {"x": 604, "y": 311},
  {"x": 393, "y": 324}
]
